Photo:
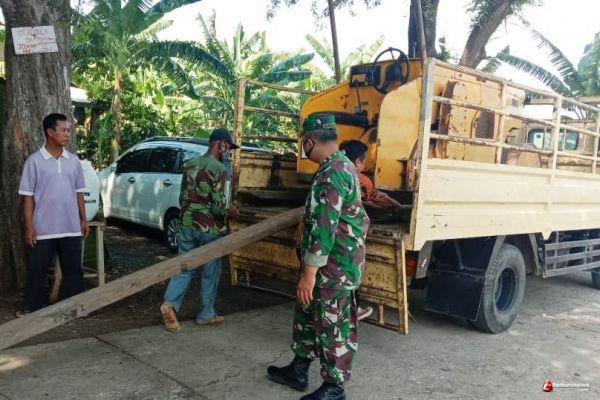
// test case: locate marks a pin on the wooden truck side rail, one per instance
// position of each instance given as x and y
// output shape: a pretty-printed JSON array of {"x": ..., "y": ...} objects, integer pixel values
[{"x": 456, "y": 199}]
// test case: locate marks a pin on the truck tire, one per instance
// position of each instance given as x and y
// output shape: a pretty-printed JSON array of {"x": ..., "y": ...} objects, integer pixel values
[
  {"x": 503, "y": 291},
  {"x": 171, "y": 226},
  {"x": 596, "y": 278}
]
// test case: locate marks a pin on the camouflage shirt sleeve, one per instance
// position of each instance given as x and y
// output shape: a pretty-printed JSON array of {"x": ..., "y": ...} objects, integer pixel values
[
  {"x": 218, "y": 205},
  {"x": 327, "y": 198}
]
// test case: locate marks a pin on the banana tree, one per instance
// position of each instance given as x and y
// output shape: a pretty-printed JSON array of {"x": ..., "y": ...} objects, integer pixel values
[
  {"x": 121, "y": 35},
  {"x": 248, "y": 56}
]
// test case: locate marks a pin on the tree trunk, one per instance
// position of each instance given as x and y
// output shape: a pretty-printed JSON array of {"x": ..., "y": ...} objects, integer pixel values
[
  {"x": 36, "y": 85},
  {"x": 481, "y": 33},
  {"x": 334, "y": 42},
  {"x": 116, "y": 110},
  {"x": 430, "y": 9}
]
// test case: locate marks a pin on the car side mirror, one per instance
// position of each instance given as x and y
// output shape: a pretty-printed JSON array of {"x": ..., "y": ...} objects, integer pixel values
[{"x": 113, "y": 167}]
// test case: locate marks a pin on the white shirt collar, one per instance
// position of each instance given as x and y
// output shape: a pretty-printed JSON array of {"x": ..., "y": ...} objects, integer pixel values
[{"x": 46, "y": 155}]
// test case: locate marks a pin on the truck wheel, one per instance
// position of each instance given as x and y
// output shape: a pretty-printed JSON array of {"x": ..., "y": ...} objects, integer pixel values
[
  {"x": 171, "y": 230},
  {"x": 503, "y": 291},
  {"x": 596, "y": 278}
]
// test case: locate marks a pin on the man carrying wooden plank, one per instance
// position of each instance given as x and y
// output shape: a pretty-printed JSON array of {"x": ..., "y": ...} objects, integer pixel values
[
  {"x": 52, "y": 187},
  {"x": 333, "y": 257},
  {"x": 203, "y": 213}
]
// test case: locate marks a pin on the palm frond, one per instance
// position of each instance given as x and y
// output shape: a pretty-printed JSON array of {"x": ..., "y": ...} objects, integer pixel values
[
  {"x": 567, "y": 70},
  {"x": 283, "y": 77},
  {"x": 82, "y": 51},
  {"x": 190, "y": 53},
  {"x": 260, "y": 64},
  {"x": 254, "y": 42},
  {"x": 323, "y": 50},
  {"x": 491, "y": 66},
  {"x": 176, "y": 74},
  {"x": 238, "y": 38},
  {"x": 363, "y": 53},
  {"x": 543, "y": 75},
  {"x": 214, "y": 46},
  {"x": 375, "y": 46},
  {"x": 210, "y": 38},
  {"x": 292, "y": 62},
  {"x": 494, "y": 63},
  {"x": 158, "y": 10},
  {"x": 177, "y": 101},
  {"x": 153, "y": 30}
]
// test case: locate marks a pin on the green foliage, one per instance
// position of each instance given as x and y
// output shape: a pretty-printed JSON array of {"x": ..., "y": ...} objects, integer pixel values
[
  {"x": 248, "y": 56},
  {"x": 444, "y": 52},
  {"x": 567, "y": 80},
  {"x": 589, "y": 67},
  {"x": 486, "y": 10},
  {"x": 119, "y": 37},
  {"x": 362, "y": 54}
]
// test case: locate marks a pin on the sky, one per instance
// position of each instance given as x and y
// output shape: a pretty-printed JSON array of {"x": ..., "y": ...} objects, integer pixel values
[{"x": 568, "y": 24}]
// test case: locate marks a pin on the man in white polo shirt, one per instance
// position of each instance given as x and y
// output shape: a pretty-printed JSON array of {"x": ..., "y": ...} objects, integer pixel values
[{"x": 52, "y": 187}]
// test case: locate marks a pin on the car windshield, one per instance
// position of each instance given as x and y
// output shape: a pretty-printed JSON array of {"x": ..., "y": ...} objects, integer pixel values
[{"x": 542, "y": 139}]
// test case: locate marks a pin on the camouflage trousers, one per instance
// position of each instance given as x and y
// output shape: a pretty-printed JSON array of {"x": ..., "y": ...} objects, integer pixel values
[{"x": 327, "y": 328}]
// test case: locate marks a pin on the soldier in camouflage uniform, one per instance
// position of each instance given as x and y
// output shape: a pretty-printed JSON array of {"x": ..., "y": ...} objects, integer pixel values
[
  {"x": 333, "y": 257},
  {"x": 203, "y": 213}
]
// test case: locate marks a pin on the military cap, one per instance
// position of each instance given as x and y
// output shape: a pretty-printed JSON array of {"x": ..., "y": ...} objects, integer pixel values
[
  {"x": 319, "y": 124},
  {"x": 223, "y": 134}
]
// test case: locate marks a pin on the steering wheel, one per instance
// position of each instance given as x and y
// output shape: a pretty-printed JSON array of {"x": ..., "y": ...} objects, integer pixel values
[{"x": 393, "y": 72}]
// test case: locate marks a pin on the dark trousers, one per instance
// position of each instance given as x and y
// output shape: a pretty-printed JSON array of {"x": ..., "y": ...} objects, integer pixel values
[{"x": 39, "y": 258}]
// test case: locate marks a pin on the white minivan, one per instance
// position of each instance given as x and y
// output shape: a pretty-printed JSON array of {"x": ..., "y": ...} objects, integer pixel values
[{"x": 143, "y": 185}]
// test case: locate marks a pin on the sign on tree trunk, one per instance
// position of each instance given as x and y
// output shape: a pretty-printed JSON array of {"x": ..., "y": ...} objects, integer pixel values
[{"x": 34, "y": 39}]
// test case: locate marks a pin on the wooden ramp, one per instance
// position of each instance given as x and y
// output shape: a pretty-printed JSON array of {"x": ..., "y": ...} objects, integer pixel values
[{"x": 21, "y": 329}]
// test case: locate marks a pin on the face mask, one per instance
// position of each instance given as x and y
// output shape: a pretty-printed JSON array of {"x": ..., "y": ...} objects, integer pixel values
[{"x": 226, "y": 156}]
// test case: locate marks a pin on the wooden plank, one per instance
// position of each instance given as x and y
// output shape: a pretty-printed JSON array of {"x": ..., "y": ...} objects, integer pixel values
[
  {"x": 238, "y": 134},
  {"x": 272, "y": 112},
  {"x": 590, "y": 100},
  {"x": 100, "y": 254},
  {"x": 20, "y": 329}
]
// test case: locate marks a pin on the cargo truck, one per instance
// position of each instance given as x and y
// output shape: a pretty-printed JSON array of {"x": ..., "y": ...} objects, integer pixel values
[{"x": 494, "y": 194}]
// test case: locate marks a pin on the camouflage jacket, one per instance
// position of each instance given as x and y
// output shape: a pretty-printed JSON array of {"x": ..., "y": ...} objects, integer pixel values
[
  {"x": 335, "y": 225},
  {"x": 202, "y": 197}
]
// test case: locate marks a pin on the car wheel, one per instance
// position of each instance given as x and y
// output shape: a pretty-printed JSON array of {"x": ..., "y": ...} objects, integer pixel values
[
  {"x": 171, "y": 230},
  {"x": 503, "y": 291}
]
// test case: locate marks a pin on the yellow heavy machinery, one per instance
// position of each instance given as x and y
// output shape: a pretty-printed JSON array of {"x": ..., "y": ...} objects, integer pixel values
[{"x": 487, "y": 200}]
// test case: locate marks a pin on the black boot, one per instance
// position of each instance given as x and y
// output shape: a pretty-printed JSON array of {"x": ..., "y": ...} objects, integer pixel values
[
  {"x": 327, "y": 391},
  {"x": 294, "y": 375}
]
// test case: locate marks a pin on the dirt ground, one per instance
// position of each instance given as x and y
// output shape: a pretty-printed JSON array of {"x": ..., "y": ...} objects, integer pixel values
[{"x": 130, "y": 248}]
